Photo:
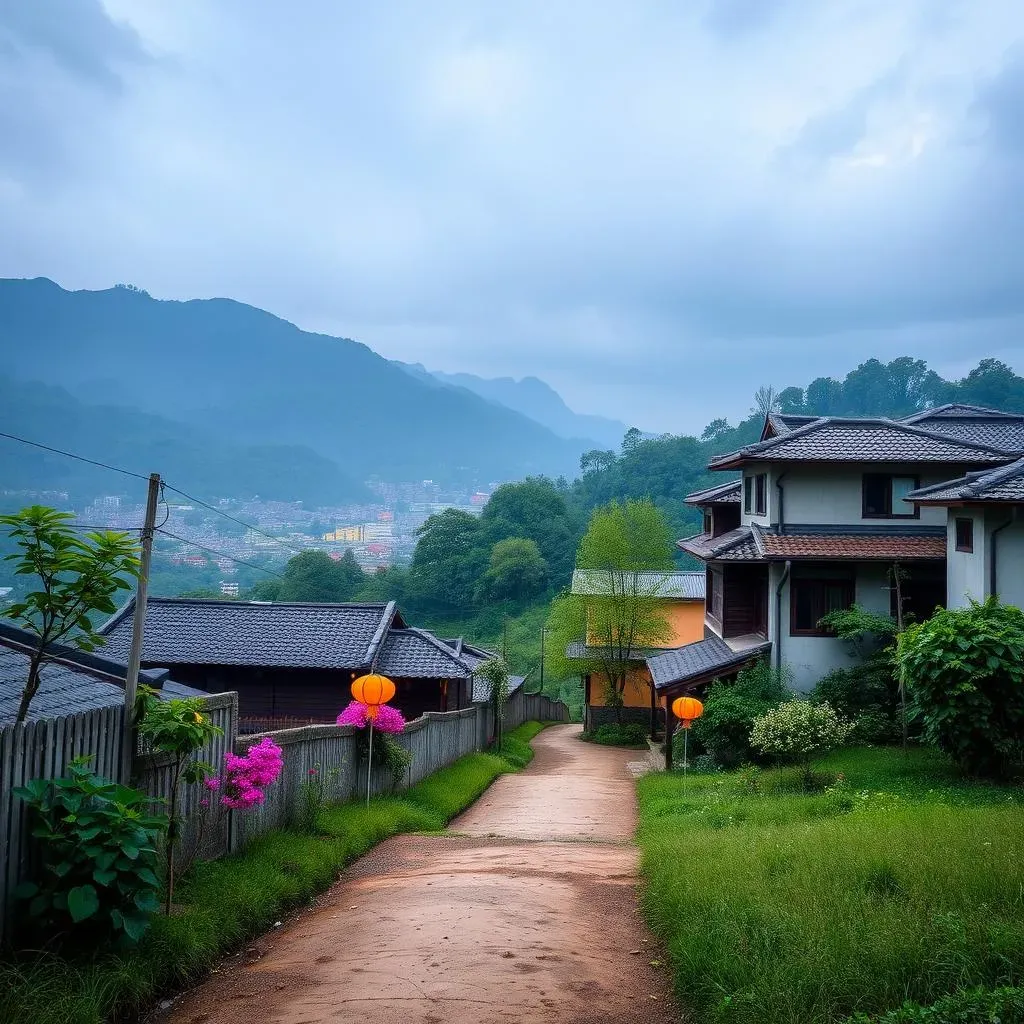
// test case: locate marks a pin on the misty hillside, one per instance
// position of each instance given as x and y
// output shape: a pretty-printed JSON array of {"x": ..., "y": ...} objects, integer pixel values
[{"x": 252, "y": 378}]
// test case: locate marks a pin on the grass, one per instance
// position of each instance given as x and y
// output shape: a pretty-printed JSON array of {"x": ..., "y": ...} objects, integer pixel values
[
  {"x": 226, "y": 902},
  {"x": 781, "y": 907}
]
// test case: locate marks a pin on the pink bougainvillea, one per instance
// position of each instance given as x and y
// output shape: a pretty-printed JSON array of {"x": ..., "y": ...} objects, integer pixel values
[
  {"x": 387, "y": 719},
  {"x": 248, "y": 775}
]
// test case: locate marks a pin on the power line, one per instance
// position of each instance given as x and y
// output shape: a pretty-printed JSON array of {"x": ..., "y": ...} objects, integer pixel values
[
  {"x": 72, "y": 455},
  {"x": 221, "y": 512},
  {"x": 220, "y": 554}
]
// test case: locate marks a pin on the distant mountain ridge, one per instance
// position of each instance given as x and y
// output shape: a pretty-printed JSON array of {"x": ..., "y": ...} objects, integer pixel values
[
  {"x": 534, "y": 398},
  {"x": 250, "y": 378}
]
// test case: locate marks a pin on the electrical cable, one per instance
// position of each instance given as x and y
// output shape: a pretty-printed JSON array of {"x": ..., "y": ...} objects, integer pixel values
[
  {"x": 72, "y": 455},
  {"x": 219, "y": 554}
]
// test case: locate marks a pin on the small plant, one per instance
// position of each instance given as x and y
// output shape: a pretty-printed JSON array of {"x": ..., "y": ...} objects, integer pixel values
[
  {"x": 314, "y": 797},
  {"x": 613, "y": 734},
  {"x": 975, "y": 1006},
  {"x": 99, "y": 851},
  {"x": 495, "y": 672},
  {"x": 964, "y": 669},
  {"x": 797, "y": 730},
  {"x": 247, "y": 775},
  {"x": 177, "y": 728}
]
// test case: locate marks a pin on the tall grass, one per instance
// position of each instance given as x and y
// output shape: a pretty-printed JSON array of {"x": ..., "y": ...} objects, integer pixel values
[
  {"x": 792, "y": 909},
  {"x": 227, "y": 901}
]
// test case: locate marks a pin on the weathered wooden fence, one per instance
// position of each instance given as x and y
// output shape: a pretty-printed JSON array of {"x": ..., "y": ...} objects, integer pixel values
[{"x": 44, "y": 750}]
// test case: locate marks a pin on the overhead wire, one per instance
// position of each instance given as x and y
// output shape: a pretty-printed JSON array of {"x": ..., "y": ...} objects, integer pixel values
[
  {"x": 220, "y": 554},
  {"x": 72, "y": 455}
]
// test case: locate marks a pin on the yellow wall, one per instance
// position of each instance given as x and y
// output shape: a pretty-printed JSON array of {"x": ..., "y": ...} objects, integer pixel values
[{"x": 687, "y": 621}]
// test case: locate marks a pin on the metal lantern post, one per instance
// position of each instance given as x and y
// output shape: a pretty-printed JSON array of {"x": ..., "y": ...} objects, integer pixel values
[{"x": 687, "y": 710}]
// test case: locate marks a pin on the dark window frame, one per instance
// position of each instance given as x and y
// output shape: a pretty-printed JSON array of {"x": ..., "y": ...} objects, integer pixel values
[
  {"x": 962, "y": 544},
  {"x": 821, "y": 585},
  {"x": 709, "y": 590},
  {"x": 709, "y": 525},
  {"x": 761, "y": 494},
  {"x": 888, "y": 478},
  {"x": 748, "y": 494}
]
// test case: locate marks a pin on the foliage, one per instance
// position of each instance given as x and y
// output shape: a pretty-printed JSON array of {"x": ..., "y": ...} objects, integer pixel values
[
  {"x": 975, "y": 1006},
  {"x": 494, "y": 672},
  {"x": 730, "y": 709},
  {"x": 865, "y": 630},
  {"x": 315, "y": 576},
  {"x": 868, "y": 695},
  {"x": 516, "y": 570},
  {"x": 77, "y": 577},
  {"x": 745, "y": 887},
  {"x": 180, "y": 729},
  {"x": 247, "y": 776},
  {"x": 99, "y": 851},
  {"x": 964, "y": 669},
  {"x": 314, "y": 797},
  {"x": 618, "y": 734},
  {"x": 797, "y": 730},
  {"x": 225, "y": 902}
]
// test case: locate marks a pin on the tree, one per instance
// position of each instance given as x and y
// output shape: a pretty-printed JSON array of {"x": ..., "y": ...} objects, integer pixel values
[
  {"x": 766, "y": 401},
  {"x": 715, "y": 429},
  {"x": 623, "y": 555},
  {"x": 315, "y": 576},
  {"x": 449, "y": 559},
  {"x": 631, "y": 439},
  {"x": 78, "y": 576},
  {"x": 517, "y": 571},
  {"x": 791, "y": 400}
]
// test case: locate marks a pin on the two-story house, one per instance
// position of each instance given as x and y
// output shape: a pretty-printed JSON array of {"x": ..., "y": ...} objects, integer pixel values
[{"x": 825, "y": 508}]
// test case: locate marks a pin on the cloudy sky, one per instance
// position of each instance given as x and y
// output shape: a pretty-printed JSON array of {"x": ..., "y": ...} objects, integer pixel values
[{"x": 655, "y": 205}]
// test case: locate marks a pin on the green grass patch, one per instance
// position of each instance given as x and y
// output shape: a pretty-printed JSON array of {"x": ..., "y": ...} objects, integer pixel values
[
  {"x": 225, "y": 902},
  {"x": 776, "y": 906}
]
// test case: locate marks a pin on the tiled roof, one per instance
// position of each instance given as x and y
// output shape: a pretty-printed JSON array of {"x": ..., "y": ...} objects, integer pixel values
[
  {"x": 1007, "y": 433},
  {"x": 76, "y": 682},
  {"x": 861, "y": 546},
  {"x": 723, "y": 494},
  {"x": 957, "y": 410},
  {"x": 996, "y": 485},
  {"x": 782, "y": 423},
  {"x": 417, "y": 654},
  {"x": 671, "y": 586},
  {"x": 482, "y": 688},
  {"x": 579, "y": 651},
  {"x": 183, "y": 631},
  {"x": 831, "y": 439},
  {"x": 704, "y": 659},
  {"x": 733, "y": 546}
]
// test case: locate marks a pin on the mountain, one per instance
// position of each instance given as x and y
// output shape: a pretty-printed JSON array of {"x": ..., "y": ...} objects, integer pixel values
[
  {"x": 254, "y": 379},
  {"x": 532, "y": 397},
  {"x": 187, "y": 456}
]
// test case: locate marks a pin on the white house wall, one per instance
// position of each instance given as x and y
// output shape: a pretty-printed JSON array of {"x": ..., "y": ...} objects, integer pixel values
[
  {"x": 966, "y": 571},
  {"x": 808, "y": 658},
  {"x": 1009, "y": 544}
]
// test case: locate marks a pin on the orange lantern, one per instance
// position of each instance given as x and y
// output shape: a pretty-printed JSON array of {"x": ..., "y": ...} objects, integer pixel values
[
  {"x": 373, "y": 690},
  {"x": 687, "y": 709}
]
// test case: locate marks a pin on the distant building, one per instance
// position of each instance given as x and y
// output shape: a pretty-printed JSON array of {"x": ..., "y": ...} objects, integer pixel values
[
  {"x": 345, "y": 535},
  {"x": 228, "y": 589}
]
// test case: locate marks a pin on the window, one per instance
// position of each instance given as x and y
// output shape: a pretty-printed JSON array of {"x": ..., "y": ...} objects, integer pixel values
[
  {"x": 707, "y": 521},
  {"x": 709, "y": 591},
  {"x": 883, "y": 496},
  {"x": 811, "y": 600},
  {"x": 748, "y": 491},
  {"x": 761, "y": 489},
  {"x": 965, "y": 535}
]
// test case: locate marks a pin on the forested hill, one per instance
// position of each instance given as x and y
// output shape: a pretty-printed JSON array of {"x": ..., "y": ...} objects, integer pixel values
[{"x": 256, "y": 379}]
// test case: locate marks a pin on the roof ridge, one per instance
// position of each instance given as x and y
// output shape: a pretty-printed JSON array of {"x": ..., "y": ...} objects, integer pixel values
[
  {"x": 216, "y": 601},
  {"x": 987, "y": 410},
  {"x": 381, "y": 632},
  {"x": 437, "y": 642}
]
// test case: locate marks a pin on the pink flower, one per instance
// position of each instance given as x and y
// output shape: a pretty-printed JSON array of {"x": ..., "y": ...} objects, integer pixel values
[
  {"x": 212, "y": 782},
  {"x": 312, "y": 771},
  {"x": 387, "y": 719},
  {"x": 204, "y": 803},
  {"x": 247, "y": 775}
]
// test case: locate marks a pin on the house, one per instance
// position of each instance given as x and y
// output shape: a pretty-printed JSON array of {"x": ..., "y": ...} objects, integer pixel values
[
  {"x": 293, "y": 663},
  {"x": 474, "y": 657},
  {"x": 72, "y": 681},
  {"x": 680, "y": 596},
  {"x": 826, "y": 507}
]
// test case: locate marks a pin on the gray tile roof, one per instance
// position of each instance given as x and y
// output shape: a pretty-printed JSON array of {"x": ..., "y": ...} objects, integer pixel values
[
  {"x": 958, "y": 410},
  {"x": 482, "y": 688},
  {"x": 832, "y": 439},
  {"x": 74, "y": 683},
  {"x": 704, "y": 659},
  {"x": 1007, "y": 434},
  {"x": 1005, "y": 484},
  {"x": 183, "y": 631},
  {"x": 783, "y": 423},
  {"x": 723, "y": 494},
  {"x": 737, "y": 545},
  {"x": 580, "y": 651},
  {"x": 670, "y": 586},
  {"x": 417, "y": 654}
]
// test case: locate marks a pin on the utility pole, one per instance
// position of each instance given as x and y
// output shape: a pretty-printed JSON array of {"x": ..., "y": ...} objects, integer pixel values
[
  {"x": 542, "y": 632},
  {"x": 131, "y": 679}
]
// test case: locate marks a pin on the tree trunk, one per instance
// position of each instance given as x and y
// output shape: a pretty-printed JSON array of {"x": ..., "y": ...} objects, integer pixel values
[{"x": 31, "y": 685}]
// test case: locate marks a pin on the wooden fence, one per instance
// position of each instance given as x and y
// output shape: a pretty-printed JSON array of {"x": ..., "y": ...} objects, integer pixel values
[{"x": 36, "y": 750}]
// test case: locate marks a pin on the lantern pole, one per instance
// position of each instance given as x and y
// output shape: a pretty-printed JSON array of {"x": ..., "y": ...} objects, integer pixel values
[{"x": 369, "y": 765}]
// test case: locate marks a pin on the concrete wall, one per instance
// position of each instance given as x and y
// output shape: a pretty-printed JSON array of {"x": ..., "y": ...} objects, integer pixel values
[
  {"x": 808, "y": 658},
  {"x": 1009, "y": 556},
  {"x": 966, "y": 572}
]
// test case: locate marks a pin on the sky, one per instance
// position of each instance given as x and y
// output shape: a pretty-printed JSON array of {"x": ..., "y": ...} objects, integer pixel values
[{"x": 656, "y": 206}]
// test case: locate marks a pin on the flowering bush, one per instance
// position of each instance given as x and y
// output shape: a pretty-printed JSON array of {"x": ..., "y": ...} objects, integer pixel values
[
  {"x": 387, "y": 719},
  {"x": 797, "y": 729},
  {"x": 246, "y": 776}
]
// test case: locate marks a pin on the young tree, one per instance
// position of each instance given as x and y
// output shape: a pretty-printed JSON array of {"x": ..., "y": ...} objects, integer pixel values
[
  {"x": 77, "y": 575},
  {"x": 623, "y": 558},
  {"x": 516, "y": 571},
  {"x": 315, "y": 576}
]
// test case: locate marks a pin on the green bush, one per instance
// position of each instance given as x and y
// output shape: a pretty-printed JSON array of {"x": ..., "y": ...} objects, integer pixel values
[
  {"x": 611, "y": 734},
  {"x": 964, "y": 671},
  {"x": 729, "y": 713},
  {"x": 866, "y": 694},
  {"x": 99, "y": 855},
  {"x": 797, "y": 730},
  {"x": 977, "y": 1006}
]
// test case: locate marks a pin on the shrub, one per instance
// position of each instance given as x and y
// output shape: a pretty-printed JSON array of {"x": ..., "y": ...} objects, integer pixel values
[
  {"x": 868, "y": 695},
  {"x": 99, "y": 852},
  {"x": 964, "y": 670},
  {"x": 976, "y": 1006},
  {"x": 612, "y": 734},
  {"x": 730, "y": 710},
  {"x": 797, "y": 730}
]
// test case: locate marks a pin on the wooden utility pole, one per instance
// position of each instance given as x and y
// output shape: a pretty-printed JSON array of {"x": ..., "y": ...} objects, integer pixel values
[{"x": 131, "y": 679}]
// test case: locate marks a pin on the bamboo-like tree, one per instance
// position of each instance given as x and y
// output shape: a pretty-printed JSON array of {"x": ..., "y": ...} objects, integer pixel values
[{"x": 622, "y": 563}]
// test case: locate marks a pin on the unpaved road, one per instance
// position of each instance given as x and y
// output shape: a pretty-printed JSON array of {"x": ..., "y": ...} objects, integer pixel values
[{"x": 526, "y": 913}]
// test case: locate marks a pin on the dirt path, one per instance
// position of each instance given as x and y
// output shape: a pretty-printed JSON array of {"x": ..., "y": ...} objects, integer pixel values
[{"x": 526, "y": 913}]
